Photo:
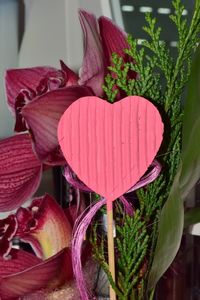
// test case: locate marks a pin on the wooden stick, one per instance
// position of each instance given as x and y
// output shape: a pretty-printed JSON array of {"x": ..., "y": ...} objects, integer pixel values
[{"x": 111, "y": 252}]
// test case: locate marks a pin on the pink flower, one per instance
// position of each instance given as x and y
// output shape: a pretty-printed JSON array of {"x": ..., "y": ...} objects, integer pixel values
[
  {"x": 39, "y": 96},
  {"x": 46, "y": 228},
  {"x": 101, "y": 38}
]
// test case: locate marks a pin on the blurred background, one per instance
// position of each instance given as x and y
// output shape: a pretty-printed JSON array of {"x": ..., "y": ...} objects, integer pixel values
[{"x": 40, "y": 32}]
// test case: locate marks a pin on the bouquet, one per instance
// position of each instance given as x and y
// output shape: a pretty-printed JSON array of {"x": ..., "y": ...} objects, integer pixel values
[{"x": 69, "y": 245}]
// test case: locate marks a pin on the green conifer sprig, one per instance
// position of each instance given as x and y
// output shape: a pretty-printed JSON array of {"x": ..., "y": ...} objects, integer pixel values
[
  {"x": 132, "y": 243},
  {"x": 98, "y": 243},
  {"x": 160, "y": 78}
]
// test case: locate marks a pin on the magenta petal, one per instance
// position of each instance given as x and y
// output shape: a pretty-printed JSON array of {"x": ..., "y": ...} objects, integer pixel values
[
  {"x": 114, "y": 39},
  {"x": 8, "y": 229},
  {"x": 50, "y": 227},
  {"x": 92, "y": 70},
  {"x": 20, "y": 171},
  {"x": 17, "y": 79},
  {"x": 43, "y": 114},
  {"x": 20, "y": 260},
  {"x": 71, "y": 77},
  {"x": 32, "y": 278}
]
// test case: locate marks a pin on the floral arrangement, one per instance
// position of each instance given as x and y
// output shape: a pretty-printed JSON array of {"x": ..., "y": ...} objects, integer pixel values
[{"x": 149, "y": 218}]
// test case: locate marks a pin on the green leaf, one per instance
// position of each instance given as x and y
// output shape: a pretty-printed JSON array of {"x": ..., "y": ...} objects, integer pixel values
[
  {"x": 192, "y": 217},
  {"x": 170, "y": 233},
  {"x": 192, "y": 103},
  {"x": 191, "y": 161},
  {"x": 191, "y": 131},
  {"x": 172, "y": 215}
]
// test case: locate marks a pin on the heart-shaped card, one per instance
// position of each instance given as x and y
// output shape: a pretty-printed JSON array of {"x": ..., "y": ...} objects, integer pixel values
[{"x": 110, "y": 146}]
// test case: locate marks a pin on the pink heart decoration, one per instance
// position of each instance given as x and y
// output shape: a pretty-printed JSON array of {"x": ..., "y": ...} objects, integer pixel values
[{"x": 110, "y": 146}]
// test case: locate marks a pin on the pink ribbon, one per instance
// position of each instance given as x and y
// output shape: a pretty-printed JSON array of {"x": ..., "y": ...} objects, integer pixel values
[
  {"x": 84, "y": 220},
  {"x": 149, "y": 177}
]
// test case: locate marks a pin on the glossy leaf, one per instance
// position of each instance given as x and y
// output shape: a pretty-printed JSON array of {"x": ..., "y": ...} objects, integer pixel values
[
  {"x": 170, "y": 233},
  {"x": 191, "y": 131},
  {"x": 172, "y": 215},
  {"x": 191, "y": 160},
  {"x": 192, "y": 103}
]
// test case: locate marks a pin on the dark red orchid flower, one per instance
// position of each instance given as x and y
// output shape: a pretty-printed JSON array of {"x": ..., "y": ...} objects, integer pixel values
[
  {"x": 38, "y": 108},
  {"x": 39, "y": 96},
  {"x": 101, "y": 38},
  {"x": 46, "y": 228}
]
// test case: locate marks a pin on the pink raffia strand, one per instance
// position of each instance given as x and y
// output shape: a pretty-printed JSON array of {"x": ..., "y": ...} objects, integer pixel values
[
  {"x": 145, "y": 180},
  {"x": 129, "y": 210},
  {"x": 148, "y": 178},
  {"x": 86, "y": 217},
  {"x": 74, "y": 181},
  {"x": 78, "y": 238},
  {"x": 79, "y": 233}
]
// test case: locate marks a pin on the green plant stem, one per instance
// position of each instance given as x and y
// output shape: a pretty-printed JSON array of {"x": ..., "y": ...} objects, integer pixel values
[{"x": 152, "y": 295}]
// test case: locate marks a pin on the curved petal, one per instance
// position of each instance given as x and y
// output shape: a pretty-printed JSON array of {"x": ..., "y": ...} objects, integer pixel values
[
  {"x": 19, "y": 261},
  {"x": 114, "y": 39},
  {"x": 53, "y": 231},
  {"x": 46, "y": 225},
  {"x": 92, "y": 70},
  {"x": 39, "y": 295},
  {"x": 45, "y": 273},
  {"x": 18, "y": 79},
  {"x": 71, "y": 77},
  {"x": 8, "y": 229},
  {"x": 25, "y": 221},
  {"x": 73, "y": 212},
  {"x": 68, "y": 291},
  {"x": 20, "y": 171},
  {"x": 42, "y": 116}
]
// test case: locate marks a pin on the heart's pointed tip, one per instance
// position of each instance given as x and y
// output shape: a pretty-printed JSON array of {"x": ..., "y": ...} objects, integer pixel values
[{"x": 109, "y": 203}]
